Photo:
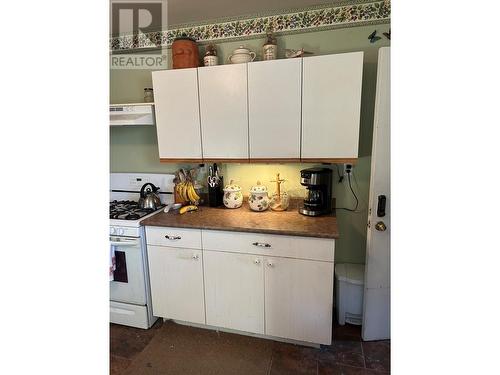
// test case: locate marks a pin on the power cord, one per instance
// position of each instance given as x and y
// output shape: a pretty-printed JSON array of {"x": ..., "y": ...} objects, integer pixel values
[
  {"x": 348, "y": 171},
  {"x": 341, "y": 178}
]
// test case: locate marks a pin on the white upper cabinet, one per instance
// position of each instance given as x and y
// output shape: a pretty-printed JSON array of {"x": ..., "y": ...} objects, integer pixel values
[
  {"x": 274, "y": 108},
  {"x": 287, "y": 110},
  {"x": 224, "y": 112},
  {"x": 331, "y": 101},
  {"x": 177, "y": 113}
]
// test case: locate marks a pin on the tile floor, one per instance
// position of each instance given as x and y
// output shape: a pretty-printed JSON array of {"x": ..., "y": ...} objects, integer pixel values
[{"x": 169, "y": 348}]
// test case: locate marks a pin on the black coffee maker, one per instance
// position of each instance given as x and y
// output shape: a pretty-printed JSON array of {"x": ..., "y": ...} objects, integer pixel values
[{"x": 319, "y": 191}]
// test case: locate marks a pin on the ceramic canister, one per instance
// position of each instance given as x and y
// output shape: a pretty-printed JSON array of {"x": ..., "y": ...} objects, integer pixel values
[
  {"x": 233, "y": 198},
  {"x": 258, "y": 199},
  {"x": 185, "y": 53}
]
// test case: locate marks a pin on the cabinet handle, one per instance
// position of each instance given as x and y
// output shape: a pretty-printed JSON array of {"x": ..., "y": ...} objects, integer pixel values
[
  {"x": 270, "y": 264},
  {"x": 172, "y": 238},
  {"x": 257, "y": 261},
  {"x": 196, "y": 257},
  {"x": 261, "y": 244}
]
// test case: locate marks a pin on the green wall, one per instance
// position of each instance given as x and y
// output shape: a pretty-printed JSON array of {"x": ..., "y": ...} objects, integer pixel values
[{"x": 135, "y": 149}]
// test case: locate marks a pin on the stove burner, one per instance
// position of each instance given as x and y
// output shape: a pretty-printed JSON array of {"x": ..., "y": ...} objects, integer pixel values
[
  {"x": 128, "y": 210},
  {"x": 132, "y": 216}
]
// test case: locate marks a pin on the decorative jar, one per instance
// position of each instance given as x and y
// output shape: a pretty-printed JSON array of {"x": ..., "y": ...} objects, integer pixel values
[
  {"x": 233, "y": 198},
  {"x": 148, "y": 95},
  {"x": 270, "y": 47}
]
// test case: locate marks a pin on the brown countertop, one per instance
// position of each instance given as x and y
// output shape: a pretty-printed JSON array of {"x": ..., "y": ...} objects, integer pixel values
[{"x": 243, "y": 219}]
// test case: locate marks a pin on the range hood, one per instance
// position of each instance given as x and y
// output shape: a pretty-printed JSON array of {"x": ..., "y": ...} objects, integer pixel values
[{"x": 131, "y": 114}]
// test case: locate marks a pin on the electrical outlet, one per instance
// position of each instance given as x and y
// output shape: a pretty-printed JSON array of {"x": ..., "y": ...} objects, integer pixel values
[{"x": 347, "y": 169}]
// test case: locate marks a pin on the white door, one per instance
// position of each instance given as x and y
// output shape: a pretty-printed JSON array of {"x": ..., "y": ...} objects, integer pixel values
[
  {"x": 177, "y": 114},
  {"x": 331, "y": 102},
  {"x": 234, "y": 291},
  {"x": 376, "y": 309},
  {"x": 224, "y": 113},
  {"x": 274, "y": 109},
  {"x": 299, "y": 299},
  {"x": 177, "y": 283}
]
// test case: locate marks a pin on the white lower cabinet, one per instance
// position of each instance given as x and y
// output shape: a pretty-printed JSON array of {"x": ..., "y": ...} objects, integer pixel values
[
  {"x": 234, "y": 291},
  {"x": 299, "y": 299},
  {"x": 177, "y": 283},
  {"x": 246, "y": 288}
]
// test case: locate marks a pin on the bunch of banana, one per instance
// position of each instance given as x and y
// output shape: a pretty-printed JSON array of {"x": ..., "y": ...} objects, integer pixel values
[{"x": 185, "y": 190}]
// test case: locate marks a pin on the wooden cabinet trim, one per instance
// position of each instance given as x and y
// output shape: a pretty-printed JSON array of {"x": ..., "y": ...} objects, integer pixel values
[
  {"x": 263, "y": 160},
  {"x": 330, "y": 160},
  {"x": 170, "y": 160}
]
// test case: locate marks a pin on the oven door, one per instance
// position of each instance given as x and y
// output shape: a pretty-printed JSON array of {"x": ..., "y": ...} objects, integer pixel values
[{"x": 129, "y": 284}]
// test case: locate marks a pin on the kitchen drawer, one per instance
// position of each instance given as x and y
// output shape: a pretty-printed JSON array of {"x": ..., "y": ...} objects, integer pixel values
[
  {"x": 174, "y": 237},
  {"x": 268, "y": 244},
  {"x": 128, "y": 314}
]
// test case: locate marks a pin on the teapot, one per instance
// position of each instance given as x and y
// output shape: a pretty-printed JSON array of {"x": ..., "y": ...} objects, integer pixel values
[
  {"x": 149, "y": 199},
  {"x": 241, "y": 55}
]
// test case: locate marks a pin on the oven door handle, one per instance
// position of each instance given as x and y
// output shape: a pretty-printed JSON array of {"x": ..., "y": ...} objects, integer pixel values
[{"x": 124, "y": 242}]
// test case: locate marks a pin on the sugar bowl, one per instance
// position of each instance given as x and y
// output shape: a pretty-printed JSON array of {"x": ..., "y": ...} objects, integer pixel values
[
  {"x": 233, "y": 198},
  {"x": 241, "y": 55}
]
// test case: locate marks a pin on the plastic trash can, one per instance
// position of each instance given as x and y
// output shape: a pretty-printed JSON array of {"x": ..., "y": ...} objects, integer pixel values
[{"x": 349, "y": 288}]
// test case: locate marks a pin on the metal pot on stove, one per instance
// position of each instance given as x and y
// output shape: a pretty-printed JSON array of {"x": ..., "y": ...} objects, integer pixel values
[{"x": 149, "y": 199}]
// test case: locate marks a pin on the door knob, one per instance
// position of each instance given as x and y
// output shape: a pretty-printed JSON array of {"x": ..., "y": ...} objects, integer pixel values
[{"x": 380, "y": 226}]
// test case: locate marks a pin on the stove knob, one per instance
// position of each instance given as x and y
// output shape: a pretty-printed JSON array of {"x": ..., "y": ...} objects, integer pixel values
[
  {"x": 121, "y": 231},
  {"x": 112, "y": 230}
]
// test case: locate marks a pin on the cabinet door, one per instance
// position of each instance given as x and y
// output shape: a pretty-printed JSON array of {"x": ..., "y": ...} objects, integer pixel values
[
  {"x": 234, "y": 291},
  {"x": 224, "y": 114},
  {"x": 274, "y": 109},
  {"x": 177, "y": 114},
  {"x": 177, "y": 283},
  {"x": 331, "y": 102},
  {"x": 298, "y": 299}
]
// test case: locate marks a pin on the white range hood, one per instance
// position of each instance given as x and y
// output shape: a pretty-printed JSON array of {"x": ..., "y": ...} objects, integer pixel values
[{"x": 131, "y": 114}]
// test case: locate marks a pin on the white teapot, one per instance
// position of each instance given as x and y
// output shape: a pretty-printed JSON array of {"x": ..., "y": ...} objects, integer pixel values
[{"x": 241, "y": 55}]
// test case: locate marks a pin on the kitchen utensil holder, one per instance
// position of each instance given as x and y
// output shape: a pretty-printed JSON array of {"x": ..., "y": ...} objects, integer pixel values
[{"x": 216, "y": 194}]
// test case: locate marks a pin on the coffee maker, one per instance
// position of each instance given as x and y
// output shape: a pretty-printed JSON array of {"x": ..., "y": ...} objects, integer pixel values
[{"x": 319, "y": 191}]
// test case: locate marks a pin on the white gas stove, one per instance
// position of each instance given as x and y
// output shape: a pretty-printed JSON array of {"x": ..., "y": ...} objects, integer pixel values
[{"x": 130, "y": 295}]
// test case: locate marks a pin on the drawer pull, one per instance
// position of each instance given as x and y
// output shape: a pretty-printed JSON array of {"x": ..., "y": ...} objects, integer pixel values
[
  {"x": 261, "y": 244},
  {"x": 172, "y": 238},
  {"x": 270, "y": 264},
  {"x": 257, "y": 261},
  {"x": 196, "y": 257}
]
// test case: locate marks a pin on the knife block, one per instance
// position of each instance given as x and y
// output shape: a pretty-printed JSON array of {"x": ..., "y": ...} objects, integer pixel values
[{"x": 216, "y": 194}]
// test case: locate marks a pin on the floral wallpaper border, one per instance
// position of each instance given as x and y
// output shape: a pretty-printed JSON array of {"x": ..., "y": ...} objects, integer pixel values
[{"x": 301, "y": 21}]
